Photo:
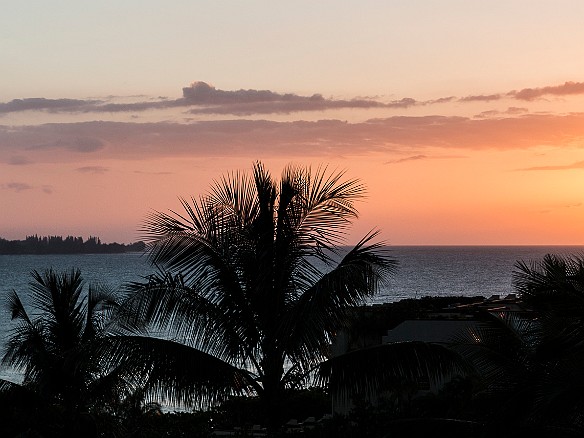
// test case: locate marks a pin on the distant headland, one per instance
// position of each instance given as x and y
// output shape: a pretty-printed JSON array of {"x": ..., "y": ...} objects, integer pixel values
[{"x": 68, "y": 245}]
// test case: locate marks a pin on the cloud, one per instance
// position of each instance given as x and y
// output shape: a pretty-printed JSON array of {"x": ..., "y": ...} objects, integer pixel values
[
  {"x": 412, "y": 158},
  {"x": 18, "y": 160},
  {"x": 201, "y": 93},
  {"x": 529, "y": 94},
  {"x": 207, "y": 100},
  {"x": 565, "y": 89},
  {"x": 488, "y": 114},
  {"x": 423, "y": 157},
  {"x": 288, "y": 107},
  {"x": 84, "y": 144},
  {"x": 246, "y": 102},
  {"x": 441, "y": 100},
  {"x": 406, "y": 102},
  {"x": 480, "y": 98},
  {"x": 203, "y": 98},
  {"x": 265, "y": 138},
  {"x": 141, "y": 172},
  {"x": 576, "y": 165},
  {"x": 85, "y": 106},
  {"x": 495, "y": 113},
  {"x": 41, "y": 103},
  {"x": 516, "y": 110},
  {"x": 92, "y": 169},
  {"x": 16, "y": 186}
]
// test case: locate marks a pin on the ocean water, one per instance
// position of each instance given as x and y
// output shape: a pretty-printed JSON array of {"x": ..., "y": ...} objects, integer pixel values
[
  {"x": 460, "y": 270},
  {"x": 422, "y": 270}
]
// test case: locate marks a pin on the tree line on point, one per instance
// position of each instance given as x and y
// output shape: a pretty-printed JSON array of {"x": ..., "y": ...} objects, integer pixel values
[{"x": 68, "y": 245}]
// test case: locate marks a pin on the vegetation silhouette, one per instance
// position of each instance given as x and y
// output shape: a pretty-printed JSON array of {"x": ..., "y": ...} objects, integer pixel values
[
  {"x": 55, "y": 346},
  {"x": 69, "y": 245},
  {"x": 530, "y": 363},
  {"x": 240, "y": 289}
]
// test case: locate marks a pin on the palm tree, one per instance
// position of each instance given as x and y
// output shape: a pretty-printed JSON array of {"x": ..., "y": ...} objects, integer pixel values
[
  {"x": 556, "y": 283},
  {"x": 54, "y": 346},
  {"x": 531, "y": 362},
  {"x": 554, "y": 287},
  {"x": 241, "y": 291}
]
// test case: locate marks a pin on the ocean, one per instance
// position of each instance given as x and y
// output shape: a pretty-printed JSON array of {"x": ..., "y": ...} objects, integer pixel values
[{"x": 422, "y": 271}]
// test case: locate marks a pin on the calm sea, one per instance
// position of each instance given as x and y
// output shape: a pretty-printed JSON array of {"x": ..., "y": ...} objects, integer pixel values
[{"x": 423, "y": 270}]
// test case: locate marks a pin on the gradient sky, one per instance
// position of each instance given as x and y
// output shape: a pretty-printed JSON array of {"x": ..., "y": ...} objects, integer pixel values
[{"x": 464, "y": 119}]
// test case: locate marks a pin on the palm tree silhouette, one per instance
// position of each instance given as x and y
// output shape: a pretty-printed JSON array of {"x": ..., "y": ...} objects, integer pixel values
[
  {"x": 531, "y": 362},
  {"x": 55, "y": 346},
  {"x": 240, "y": 289}
]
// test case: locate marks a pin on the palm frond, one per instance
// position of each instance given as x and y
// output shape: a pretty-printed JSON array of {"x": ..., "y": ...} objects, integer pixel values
[
  {"x": 233, "y": 199},
  {"x": 7, "y": 385},
  {"x": 102, "y": 301},
  {"x": 555, "y": 280},
  {"x": 498, "y": 349},
  {"x": 367, "y": 372},
  {"x": 169, "y": 306},
  {"x": 16, "y": 308},
  {"x": 57, "y": 297},
  {"x": 322, "y": 207},
  {"x": 27, "y": 349},
  {"x": 324, "y": 308},
  {"x": 177, "y": 373}
]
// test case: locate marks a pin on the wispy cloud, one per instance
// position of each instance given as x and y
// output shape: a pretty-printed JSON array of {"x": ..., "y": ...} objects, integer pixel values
[
  {"x": 92, "y": 169},
  {"x": 423, "y": 157},
  {"x": 41, "y": 103},
  {"x": 513, "y": 110},
  {"x": 83, "y": 144},
  {"x": 403, "y": 160},
  {"x": 141, "y": 172},
  {"x": 530, "y": 94},
  {"x": 496, "y": 113},
  {"x": 576, "y": 165},
  {"x": 565, "y": 89},
  {"x": 18, "y": 160},
  {"x": 480, "y": 98},
  {"x": 16, "y": 186}
]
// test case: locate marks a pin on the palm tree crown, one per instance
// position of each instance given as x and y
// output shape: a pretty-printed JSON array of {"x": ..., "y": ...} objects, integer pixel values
[
  {"x": 56, "y": 347},
  {"x": 240, "y": 284}
]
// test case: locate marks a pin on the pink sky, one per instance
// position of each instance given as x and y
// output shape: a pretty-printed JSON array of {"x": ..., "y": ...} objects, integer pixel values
[{"x": 479, "y": 145}]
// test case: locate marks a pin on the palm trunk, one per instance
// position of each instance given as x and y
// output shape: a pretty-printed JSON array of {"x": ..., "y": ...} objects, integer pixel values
[
  {"x": 273, "y": 400},
  {"x": 273, "y": 394}
]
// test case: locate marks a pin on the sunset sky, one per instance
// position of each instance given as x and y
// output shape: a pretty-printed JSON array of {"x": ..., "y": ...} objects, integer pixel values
[{"x": 464, "y": 119}]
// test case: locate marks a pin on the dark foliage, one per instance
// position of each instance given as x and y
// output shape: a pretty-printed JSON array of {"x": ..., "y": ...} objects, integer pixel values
[
  {"x": 68, "y": 245},
  {"x": 65, "y": 387},
  {"x": 531, "y": 364},
  {"x": 240, "y": 288}
]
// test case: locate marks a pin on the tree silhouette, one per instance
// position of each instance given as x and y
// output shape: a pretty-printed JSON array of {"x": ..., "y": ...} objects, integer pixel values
[
  {"x": 240, "y": 290},
  {"x": 56, "y": 348},
  {"x": 531, "y": 363}
]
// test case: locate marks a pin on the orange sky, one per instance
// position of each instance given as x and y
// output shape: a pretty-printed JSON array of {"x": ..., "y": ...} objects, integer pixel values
[{"x": 465, "y": 124}]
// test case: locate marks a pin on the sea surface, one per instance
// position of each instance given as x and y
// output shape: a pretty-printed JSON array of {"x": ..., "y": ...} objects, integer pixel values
[{"x": 422, "y": 271}]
